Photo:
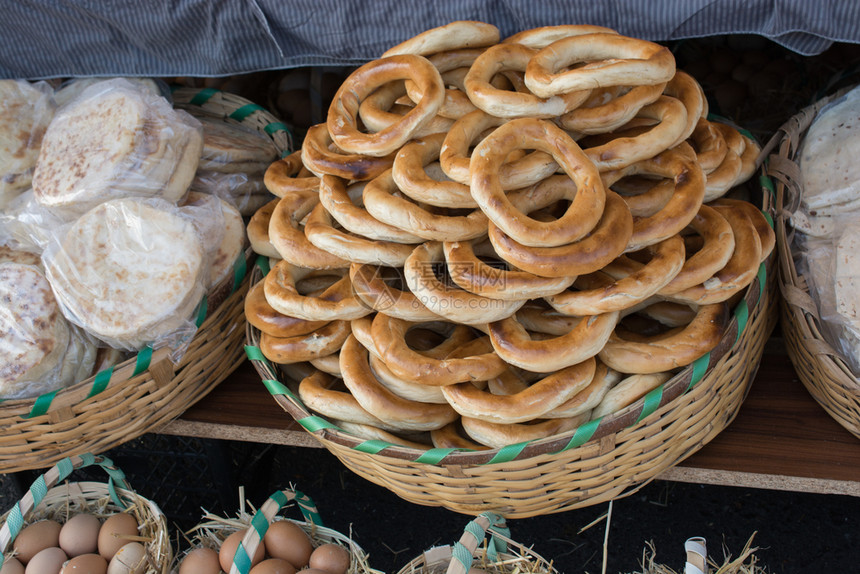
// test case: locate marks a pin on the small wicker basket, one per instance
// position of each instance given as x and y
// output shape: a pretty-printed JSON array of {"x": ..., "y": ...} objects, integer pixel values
[
  {"x": 498, "y": 554},
  {"x": 47, "y": 498},
  {"x": 146, "y": 391},
  {"x": 604, "y": 459},
  {"x": 215, "y": 529},
  {"x": 821, "y": 368}
]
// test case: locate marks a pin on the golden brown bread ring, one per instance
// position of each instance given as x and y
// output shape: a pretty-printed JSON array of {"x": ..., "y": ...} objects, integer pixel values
[
  {"x": 749, "y": 157},
  {"x": 740, "y": 270},
  {"x": 728, "y": 173},
  {"x": 625, "y": 147},
  {"x": 288, "y": 237},
  {"x": 453, "y": 65},
  {"x": 373, "y": 285},
  {"x": 453, "y": 338},
  {"x": 389, "y": 338},
  {"x": 258, "y": 230},
  {"x": 685, "y": 88},
  {"x": 319, "y": 157},
  {"x": 716, "y": 250},
  {"x": 709, "y": 144},
  {"x": 666, "y": 260},
  {"x": 455, "y": 156},
  {"x": 451, "y": 303},
  {"x": 299, "y": 348},
  {"x": 762, "y": 225},
  {"x": 336, "y": 302},
  {"x": 496, "y": 435},
  {"x": 327, "y": 396},
  {"x": 543, "y": 355},
  {"x": 381, "y": 202},
  {"x": 677, "y": 348},
  {"x": 453, "y": 36},
  {"x": 283, "y": 175},
  {"x": 607, "y": 60},
  {"x": 583, "y": 402},
  {"x": 410, "y": 176},
  {"x": 342, "y": 118},
  {"x": 404, "y": 388},
  {"x": 469, "y": 272},
  {"x": 511, "y": 104},
  {"x": 329, "y": 364},
  {"x": 388, "y": 105},
  {"x": 543, "y": 36},
  {"x": 261, "y": 315},
  {"x": 606, "y": 242},
  {"x": 408, "y": 439},
  {"x": 376, "y": 399},
  {"x": 587, "y": 196},
  {"x": 627, "y": 391},
  {"x": 530, "y": 403},
  {"x": 345, "y": 205},
  {"x": 321, "y": 232},
  {"x": 453, "y": 436},
  {"x": 537, "y": 316},
  {"x": 679, "y": 165},
  {"x": 610, "y": 108}
]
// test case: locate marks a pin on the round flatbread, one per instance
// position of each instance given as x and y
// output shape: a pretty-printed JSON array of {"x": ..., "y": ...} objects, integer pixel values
[
  {"x": 129, "y": 271},
  {"x": 223, "y": 229},
  {"x": 71, "y": 89},
  {"x": 233, "y": 148}
]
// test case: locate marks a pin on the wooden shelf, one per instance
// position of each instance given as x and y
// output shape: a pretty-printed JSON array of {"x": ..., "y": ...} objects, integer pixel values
[{"x": 781, "y": 438}]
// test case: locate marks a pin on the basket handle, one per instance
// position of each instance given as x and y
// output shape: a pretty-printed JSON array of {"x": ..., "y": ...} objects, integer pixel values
[
  {"x": 697, "y": 556},
  {"x": 260, "y": 524},
  {"x": 475, "y": 531},
  {"x": 39, "y": 489}
]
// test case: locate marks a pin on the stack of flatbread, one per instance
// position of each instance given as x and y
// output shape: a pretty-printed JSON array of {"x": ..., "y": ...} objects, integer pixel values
[
  {"x": 40, "y": 351},
  {"x": 233, "y": 162},
  {"x": 71, "y": 89},
  {"x": 113, "y": 141},
  {"x": 25, "y": 111}
]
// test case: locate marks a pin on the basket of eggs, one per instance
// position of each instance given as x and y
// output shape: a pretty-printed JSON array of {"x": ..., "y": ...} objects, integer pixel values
[
  {"x": 62, "y": 527},
  {"x": 514, "y": 289},
  {"x": 269, "y": 543},
  {"x": 123, "y": 275}
]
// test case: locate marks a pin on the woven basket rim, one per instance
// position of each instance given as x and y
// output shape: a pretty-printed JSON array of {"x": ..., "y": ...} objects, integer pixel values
[{"x": 592, "y": 431}]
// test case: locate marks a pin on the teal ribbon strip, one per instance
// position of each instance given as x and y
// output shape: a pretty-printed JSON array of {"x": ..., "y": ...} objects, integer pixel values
[
  {"x": 651, "y": 402},
  {"x": 435, "y": 455},
  {"x": 203, "y": 96},
  {"x": 42, "y": 404},
  {"x": 241, "y": 559},
  {"x": 767, "y": 183},
  {"x": 508, "y": 453},
  {"x": 241, "y": 113},
  {"x": 202, "y": 310},
  {"x": 240, "y": 269},
  {"x": 700, "y": 367},
  {"x": 314, "y": 423},
  {"x": 762, "y": 281},
  {"x": 462, "y": 555},
  {"x": 101, "y": 381},
  {"x": 742, "y": 314},
  {"x": 254, "y": 353},
  {"x": 583, "y": 434},
  {"x": 144, "y": 357},
  {"x": 276, "y": 127},
  {"x": 308, "y": 508},
  {"x": 372, "y": 446},
  {"x": 263, "y": 264}
]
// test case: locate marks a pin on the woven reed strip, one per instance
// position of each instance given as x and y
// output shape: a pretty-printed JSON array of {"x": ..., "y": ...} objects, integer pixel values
[
  {"x": 819, "y": 366},
  {"x": 125, "y": 411}
]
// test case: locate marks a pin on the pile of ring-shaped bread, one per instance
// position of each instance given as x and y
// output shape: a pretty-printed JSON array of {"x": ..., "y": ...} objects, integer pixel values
[{"x": 492, "y": 241}]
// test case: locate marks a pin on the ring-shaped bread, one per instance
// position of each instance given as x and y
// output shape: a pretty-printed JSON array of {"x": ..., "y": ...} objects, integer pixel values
[
  {"x": 500, "y": 435},
  {"x": 336, "y": 302},
  {"x": 587, "y": 196},
  {"x": 389, "y": 104},
  {"x": 610, "y": 108},
  {"x": 709, "y": 144},
  {"x": 258, "y": 230},
  {"x": 585, "y": 400},
  {"x": 327, "y": 396},
  {"x": 543, "y": 36},
  {"x": 456, "y": 35},
  {"x": 261, "y": 315},
  {"x": 589, "y": 61},
  {"x": 284, "y": 175},
  {"x": 287, "y": 236},
  {"x": 342, "y": 118},
  {"x": 321, "y": 157},
  {"x": 299, "y": 348},
  {"x": 378, "y": 287},
  {"x": 413, "y": 180}
]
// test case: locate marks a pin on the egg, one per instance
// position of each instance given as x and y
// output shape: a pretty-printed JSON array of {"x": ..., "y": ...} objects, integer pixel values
[
  {"x": 80, "y": 535},
  {"x": 228, "y": 550},
  {"x": 200, "y": 561},
  {"x": 85, "y": 564},
  {"x": 115, "y": 533},
  {"x": 273, "y": 566},
  {"x": 130, "y": 559},
  {"x": 35, "y": 537},
  {"x": 12, "y": 566},
  {"x": 286, "y": 540},
  {"x": 332, "y": 558},
  {"x": 47, "y": 561}
]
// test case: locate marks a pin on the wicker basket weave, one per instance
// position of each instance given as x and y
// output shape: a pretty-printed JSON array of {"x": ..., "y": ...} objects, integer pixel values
[
  {"x": 821, "y": 369},
  {"x": 604, "y": 459},
  {"x": 47, "y": 498},
  {"x": 146, "y": 391}
]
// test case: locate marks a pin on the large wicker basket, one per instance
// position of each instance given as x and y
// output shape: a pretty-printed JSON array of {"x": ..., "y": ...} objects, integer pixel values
[
  {"x": 146, "y": 391},
  {"x": 604, "y": 459},
  {"x": 824, "y": 373},
  {"x": 51, "y": 498}
]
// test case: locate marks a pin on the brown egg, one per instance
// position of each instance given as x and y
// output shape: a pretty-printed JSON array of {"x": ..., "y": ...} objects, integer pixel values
[
  {"x": 286, "y": 540},
  {"x": 47, "y": 561},
  {"x": 273, "y": 566},
  {"x": 130, "y": 559},
  {"x": 12, "y": 566},
  {"x": 35, "y": 537},
  {"x": 200, "y": 561},
  {"x": 115, "y": 533},
  {"x": 332, "y": 558},
  {"x": 80, "y": 535},
  {"x": 228, "y": 550},
  {"x": 85, "y": 564}
]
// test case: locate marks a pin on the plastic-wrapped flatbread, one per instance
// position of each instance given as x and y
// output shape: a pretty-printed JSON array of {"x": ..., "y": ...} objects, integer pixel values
[
  {"x": 130, "y": 272},
  {"x": 26, "y": 109},
  {"x": 116, "y": 141},
  {"x": 72, "y": 89},
  {"x": 233, "y": 148},
  {"x": 27, "y": 224},
  {"x": 223, "y": 231}
]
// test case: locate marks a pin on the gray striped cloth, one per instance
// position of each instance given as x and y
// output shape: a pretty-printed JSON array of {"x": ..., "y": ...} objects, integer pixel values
[{"x": 60, "y": 38}]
